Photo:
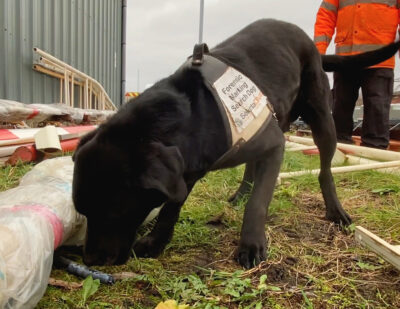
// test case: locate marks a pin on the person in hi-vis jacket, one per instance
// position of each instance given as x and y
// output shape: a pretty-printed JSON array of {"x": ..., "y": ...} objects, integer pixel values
[{"x": 360, "y": 26}]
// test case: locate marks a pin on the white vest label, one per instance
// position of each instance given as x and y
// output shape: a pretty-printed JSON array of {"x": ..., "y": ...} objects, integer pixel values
[{"x": 241, "y": 98}]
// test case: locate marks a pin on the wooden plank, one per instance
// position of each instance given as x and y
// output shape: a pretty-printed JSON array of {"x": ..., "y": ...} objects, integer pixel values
[
  {"x": 19, "y": 141},
  {"x": 376, "y": 244}
]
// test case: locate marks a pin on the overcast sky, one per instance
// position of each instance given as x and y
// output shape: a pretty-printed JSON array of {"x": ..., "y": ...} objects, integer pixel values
[{"x": 162, "y": 33}]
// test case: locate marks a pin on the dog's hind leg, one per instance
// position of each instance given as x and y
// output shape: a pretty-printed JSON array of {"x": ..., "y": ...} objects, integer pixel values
[
  {"x": 325, "y": 139},
  {"x": 317, "y": 114},
  {"x": 245, "y": 186},
  {"x": 326, "y": 142},
  {"x": 153, "y": 244},
  {"x": 253, "y": 243}
]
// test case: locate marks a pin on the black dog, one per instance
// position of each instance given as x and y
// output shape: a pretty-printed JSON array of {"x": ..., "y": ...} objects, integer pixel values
[{"x": 155, "y": 149}]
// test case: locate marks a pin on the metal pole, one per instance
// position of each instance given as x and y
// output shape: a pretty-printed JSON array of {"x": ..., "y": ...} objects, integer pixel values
[
  {"x": 201, "y": 21},
  {"x": 138, "y": 80},
  {"x": 123, "y": 51}
]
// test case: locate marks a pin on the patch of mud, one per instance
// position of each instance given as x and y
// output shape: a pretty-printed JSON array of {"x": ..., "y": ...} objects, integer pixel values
[
  {"x": 310, "y": 201},
  {"x": 277, "y": 273},
  {"x": 290, "y": 260},
  {"x": 191, "y": 261},
  {"x": 203, "y": 259},
  {"x": 217, "y": 222}
]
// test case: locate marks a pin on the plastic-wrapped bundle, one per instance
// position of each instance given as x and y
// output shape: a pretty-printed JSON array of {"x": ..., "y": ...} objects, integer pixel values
[
  {"x": 12, "y": 111},
  {"x": 35, "y": 218},
  {"x": 32, "y": 114}
]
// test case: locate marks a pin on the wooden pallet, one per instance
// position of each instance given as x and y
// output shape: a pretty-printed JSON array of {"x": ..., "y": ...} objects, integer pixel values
[{"x": 376, "y": 244}]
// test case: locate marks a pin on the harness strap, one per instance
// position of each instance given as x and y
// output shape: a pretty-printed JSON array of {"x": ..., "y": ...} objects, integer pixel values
[
  {"x": 198, "y": 53},
  {"x": 212, "y": 69}
]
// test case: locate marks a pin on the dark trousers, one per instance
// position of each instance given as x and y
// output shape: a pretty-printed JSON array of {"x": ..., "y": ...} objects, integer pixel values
[{"x": 377, "y": 90}]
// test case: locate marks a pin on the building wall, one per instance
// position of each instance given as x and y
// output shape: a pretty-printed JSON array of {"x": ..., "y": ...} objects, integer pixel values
[{"x": 83, "y": 33}]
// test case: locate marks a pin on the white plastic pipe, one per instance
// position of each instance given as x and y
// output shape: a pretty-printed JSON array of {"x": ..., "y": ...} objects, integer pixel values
[
  {"x": 300, "y": 148},
  {"x": 74, "y": 70},
  {"x": 372, "y": 153},
  {"x": 358, "y": 160},
  {"x": 343, "y": 169}
]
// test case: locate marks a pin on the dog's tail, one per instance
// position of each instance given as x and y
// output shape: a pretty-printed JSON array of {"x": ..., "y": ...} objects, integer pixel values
[{"x": 332, "y": 63}]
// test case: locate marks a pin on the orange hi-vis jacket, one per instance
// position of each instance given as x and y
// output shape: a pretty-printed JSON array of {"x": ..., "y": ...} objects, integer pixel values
[{"x": 361, "y": 26}]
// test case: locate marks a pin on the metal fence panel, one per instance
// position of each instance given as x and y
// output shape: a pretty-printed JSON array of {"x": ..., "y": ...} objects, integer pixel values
[{"x": 83, "y": 33}]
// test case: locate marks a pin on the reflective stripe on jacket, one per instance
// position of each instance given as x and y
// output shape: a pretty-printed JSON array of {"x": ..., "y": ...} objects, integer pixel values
[{"x": 361, "y": 26}]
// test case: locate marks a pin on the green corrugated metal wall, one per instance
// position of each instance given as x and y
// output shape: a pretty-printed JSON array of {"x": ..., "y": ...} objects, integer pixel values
[{"x": 83, "y": 33}]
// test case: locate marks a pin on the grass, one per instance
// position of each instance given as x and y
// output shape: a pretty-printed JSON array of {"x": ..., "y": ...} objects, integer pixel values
[
  {"x": 311, "y": 262},
  {"x": 10, "y": 175}
]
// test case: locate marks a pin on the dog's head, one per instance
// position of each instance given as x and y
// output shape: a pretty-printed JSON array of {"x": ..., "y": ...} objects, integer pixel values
[{"x": 118, "y": 179}]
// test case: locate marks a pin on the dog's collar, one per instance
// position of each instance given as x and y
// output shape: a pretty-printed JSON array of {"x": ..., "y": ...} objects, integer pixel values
[{"x": 244, "y": 112}]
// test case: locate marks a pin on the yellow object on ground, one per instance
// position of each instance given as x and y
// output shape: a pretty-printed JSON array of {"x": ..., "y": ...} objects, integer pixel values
[{"x": 171, "y": 304}]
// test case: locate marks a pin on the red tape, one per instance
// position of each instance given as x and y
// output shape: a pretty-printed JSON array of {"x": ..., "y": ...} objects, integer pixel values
[
  {"x": 35, "y": 112},
  {"x": 44, "y": 211},
  {"x": 7, "y": 134}
]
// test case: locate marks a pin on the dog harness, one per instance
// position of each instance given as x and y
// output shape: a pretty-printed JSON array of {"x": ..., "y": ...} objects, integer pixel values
[{"x": 244, "y": 108}]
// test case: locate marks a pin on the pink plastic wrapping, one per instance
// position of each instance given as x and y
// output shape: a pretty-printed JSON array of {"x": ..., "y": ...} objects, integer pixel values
[{"x": 35, "y": 218}]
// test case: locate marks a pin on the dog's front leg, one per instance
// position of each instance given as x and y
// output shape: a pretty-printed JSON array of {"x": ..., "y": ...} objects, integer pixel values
[{"x": 252, "y": 245}]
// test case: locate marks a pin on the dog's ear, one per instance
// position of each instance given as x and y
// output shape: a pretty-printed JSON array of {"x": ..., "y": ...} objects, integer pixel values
[
  {"x": 86, "y": 138},
  {"x": 164, "y": 172}
]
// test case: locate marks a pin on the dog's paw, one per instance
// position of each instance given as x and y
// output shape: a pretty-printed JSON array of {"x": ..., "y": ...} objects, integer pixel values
[
  {"x": 234, "y": 199},
  {"x": 237, "y": 198},
  {"x": 250, "y": 254},
  {"x": 148, "y": 246},
  {"x": 340, "y": 216}
]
